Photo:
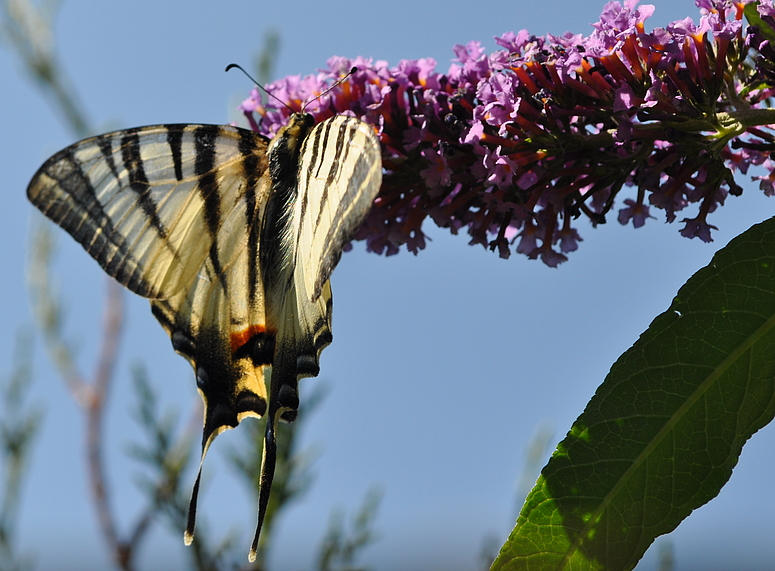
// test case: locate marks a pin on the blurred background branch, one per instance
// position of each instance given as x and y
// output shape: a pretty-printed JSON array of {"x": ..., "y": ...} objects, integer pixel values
[
  {"x": 340, "y": 548},
  {"x": 266, "y": 58},
  {"x": 19, "y": 425},
  {"x": 27, "y": 27}
]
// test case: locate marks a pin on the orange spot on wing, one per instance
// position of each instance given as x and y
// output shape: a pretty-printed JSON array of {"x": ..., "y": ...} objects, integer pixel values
[{"x": 239, "y": 338}]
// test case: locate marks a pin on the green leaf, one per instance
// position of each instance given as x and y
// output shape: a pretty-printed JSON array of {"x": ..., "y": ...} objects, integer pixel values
[
  {"x": 665, "y": 429},
  {"x": 751, "y": 12}
]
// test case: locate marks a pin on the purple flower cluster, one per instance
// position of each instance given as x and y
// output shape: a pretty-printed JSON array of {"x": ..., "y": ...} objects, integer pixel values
[{"x": 517, "y": 144}]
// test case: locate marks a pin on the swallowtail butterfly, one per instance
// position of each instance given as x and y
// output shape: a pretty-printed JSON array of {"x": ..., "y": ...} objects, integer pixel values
[{"x": 233, "y": 238}]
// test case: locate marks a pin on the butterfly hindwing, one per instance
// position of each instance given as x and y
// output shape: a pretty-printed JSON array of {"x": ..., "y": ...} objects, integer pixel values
[{"x": 316, "y": 176}]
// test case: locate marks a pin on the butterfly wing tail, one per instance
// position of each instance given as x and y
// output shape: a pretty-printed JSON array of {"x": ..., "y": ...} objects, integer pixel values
[
  {"x": 268, "y": 462},
  {"x": 207, "y": 440},
  {"x": 283, "y": 403},
  {"x": 188, "y": 535}
]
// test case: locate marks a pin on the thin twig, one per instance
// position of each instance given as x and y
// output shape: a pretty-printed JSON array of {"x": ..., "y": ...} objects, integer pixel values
[
  {"x": 112, "y": 322},
  {"x": 19, "y": 426},
  {"x": 169, "y": 459},
  {"x": 48, "y": 312}
]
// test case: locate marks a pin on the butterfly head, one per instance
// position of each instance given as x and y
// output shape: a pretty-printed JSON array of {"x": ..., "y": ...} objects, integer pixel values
[{"x": 287, "y": 141}]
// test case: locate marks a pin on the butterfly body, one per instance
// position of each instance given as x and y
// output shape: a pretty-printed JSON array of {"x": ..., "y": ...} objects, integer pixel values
[{"x": 233, "y": 238}]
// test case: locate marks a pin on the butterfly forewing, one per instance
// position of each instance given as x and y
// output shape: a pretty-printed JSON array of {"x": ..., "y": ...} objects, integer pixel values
[
  {"x": 171, "y": 211},
  {"x": 339, "y": 176},
  {"x": 134, "y": 199}
]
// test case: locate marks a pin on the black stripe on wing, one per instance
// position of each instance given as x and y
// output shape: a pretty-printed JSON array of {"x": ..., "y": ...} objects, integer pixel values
[
  {"x": 318, "y": 150},
  {"x": 105, "y": 143},
  {"x": 204, "y": 167},
  {"x": 138, "y": 180},
  {"x": 341, "y": 233},
  {"x": 322, "y": 336},
  {"x": 119, "y": 195},
  {"x": 339, "y": 160},
  {"x": 175, "y": 141},
  {"x": 69, "y": 199},
  {"x": 278, "y": 250},
  {"x": 251, "y": 170},
  {"x": 341, "y": 167}
]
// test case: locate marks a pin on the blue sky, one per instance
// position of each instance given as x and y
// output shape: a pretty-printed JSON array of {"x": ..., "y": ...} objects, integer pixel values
[{"x": 444, "y": 365}]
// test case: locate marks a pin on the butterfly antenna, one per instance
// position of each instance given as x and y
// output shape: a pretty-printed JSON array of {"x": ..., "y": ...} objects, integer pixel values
[
  {"x": 261, "y": 87},
  {"x": 336, "y": 84}
]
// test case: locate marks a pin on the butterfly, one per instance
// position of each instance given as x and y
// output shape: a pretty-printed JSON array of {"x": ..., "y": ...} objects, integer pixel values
[{"x": 233, "y": 238}]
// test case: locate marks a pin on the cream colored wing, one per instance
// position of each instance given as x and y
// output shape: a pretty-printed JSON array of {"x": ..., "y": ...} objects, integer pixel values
[
  {"x": 340, "y": 173},
  {"x": 173, "y": 212},
  {"x": 337, "y": 175}
]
